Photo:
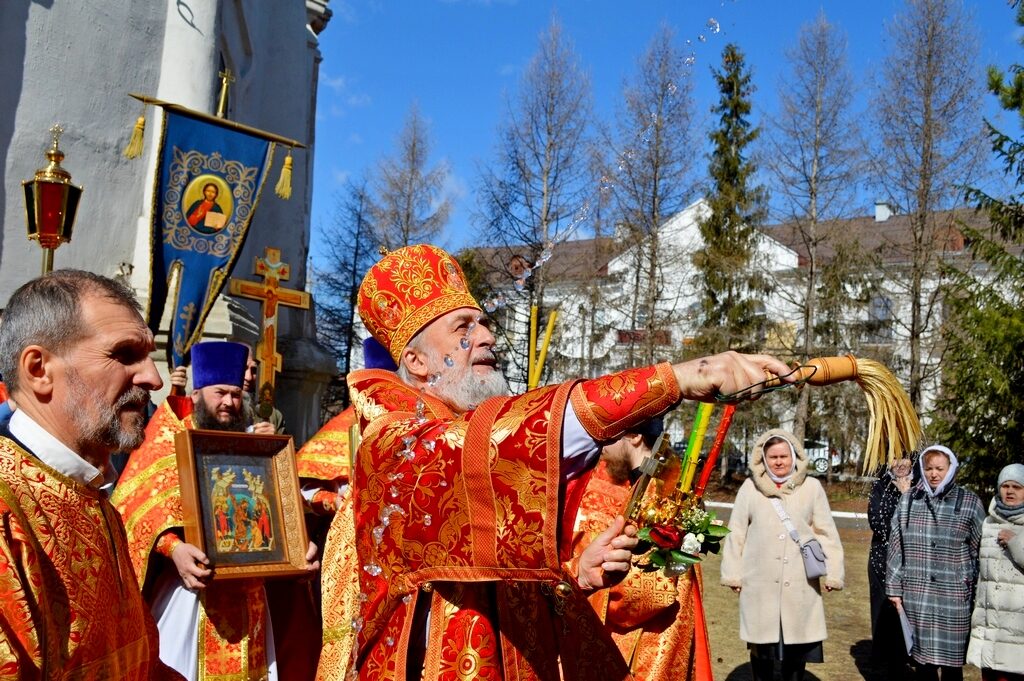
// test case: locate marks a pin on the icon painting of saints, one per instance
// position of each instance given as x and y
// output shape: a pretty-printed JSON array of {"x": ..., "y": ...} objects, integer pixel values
[{"x": 207, "y": 204}]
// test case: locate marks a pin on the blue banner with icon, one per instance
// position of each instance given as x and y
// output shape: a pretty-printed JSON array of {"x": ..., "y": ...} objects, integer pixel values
[{"x": 208, "y": 185}]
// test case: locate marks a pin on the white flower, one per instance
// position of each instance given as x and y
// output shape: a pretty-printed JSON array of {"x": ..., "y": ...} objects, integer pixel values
[
  {"x": 691, "y": 544},
  {"x": 700, "y": 538}
]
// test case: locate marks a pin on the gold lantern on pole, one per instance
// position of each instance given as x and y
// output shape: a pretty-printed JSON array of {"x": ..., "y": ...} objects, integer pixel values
[{"x": 51, "y": 202}]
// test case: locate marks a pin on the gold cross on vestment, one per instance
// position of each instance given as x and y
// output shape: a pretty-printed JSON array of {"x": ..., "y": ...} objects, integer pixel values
[{"x": 270, "y": 293}]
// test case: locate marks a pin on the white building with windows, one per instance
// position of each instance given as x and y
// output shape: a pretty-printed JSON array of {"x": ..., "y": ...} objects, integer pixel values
[{"x": 594, "y": 284}]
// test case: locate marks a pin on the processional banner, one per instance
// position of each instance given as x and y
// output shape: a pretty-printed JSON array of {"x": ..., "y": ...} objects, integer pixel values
[{"x": 208, "y": 186}]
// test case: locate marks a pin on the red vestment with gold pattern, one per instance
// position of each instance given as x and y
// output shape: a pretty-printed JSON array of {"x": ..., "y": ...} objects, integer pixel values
[
  {"x": 325, "y": 456},
  {"x": 69, "y": 603},
  {"x": 232, "y": 617},
  {"x": 462, "y": 513},
  {"x": 657, "y": 621}
]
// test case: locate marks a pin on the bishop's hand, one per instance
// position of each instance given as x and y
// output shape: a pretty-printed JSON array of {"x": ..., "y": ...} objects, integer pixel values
[{"x": 706, "y": 378}]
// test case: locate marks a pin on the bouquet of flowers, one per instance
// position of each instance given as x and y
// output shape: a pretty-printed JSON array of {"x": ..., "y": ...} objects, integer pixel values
[{"x": 676, "y": 533}]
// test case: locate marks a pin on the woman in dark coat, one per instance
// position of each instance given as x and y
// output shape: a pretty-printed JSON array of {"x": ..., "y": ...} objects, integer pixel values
[
  {"x": 887, "y": 652},
  {"x": 933, "y": 564}
]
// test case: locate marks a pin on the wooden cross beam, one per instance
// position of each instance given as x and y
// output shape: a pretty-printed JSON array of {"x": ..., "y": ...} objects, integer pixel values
[{"x": 270, "y": 293}]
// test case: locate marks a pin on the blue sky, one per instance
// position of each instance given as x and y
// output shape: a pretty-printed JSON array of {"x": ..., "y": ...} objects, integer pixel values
[{"x": 460, "y": 60}]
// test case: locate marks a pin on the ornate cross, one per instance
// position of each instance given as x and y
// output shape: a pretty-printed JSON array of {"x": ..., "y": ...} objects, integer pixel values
[
  {"x": 271, "y": 294},
  {"x": 226, "y": 78}
]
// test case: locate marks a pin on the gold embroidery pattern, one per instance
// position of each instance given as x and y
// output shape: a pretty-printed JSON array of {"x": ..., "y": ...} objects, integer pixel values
[
  {"x": 70, "y": 578},
  {"x": 407, "y": 289}
]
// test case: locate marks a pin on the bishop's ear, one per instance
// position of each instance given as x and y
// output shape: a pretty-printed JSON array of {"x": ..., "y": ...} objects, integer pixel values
[{"x": 415, "y": 362}]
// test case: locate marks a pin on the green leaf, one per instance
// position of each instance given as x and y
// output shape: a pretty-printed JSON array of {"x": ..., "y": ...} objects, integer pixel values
[
  {"x": 657, "y": 559},
  {"x": 717, "y": 531},
  {"x": 644, "y": 534},
  {"x": 679, "y": 557}
]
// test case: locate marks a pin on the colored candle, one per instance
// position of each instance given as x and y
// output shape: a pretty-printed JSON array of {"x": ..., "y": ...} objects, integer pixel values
[
  {"x": 700, "y": 427},
  {"x": 716, "y": 448}
]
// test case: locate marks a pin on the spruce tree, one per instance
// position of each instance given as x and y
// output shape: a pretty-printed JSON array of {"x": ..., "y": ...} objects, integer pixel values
[
  {"x": 980, "y": 412},
  {"x": 731, "y": 288}
]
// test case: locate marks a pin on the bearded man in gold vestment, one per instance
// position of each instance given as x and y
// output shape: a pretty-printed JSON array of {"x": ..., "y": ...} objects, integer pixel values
[
  {"x": 656, "y": 621},
  {"x": 74, "y": 352}
]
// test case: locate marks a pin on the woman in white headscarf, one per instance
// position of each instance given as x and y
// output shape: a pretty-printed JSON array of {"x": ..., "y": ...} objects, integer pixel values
[
  {"x": 782, "y": 617},
  {"x": 997, "y": 626},
  {"x": 933, "y": 564}
]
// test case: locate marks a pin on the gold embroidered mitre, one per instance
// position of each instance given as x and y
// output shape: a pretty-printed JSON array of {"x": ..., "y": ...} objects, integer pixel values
[{"x": 408, "y": 289}]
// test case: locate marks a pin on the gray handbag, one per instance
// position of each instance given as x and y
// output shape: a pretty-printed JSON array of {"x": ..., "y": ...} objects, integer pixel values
[{"x": 811, "y": 552}]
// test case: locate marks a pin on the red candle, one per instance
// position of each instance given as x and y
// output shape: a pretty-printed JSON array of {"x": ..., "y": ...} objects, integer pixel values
[{"x": 716, "y": 447}]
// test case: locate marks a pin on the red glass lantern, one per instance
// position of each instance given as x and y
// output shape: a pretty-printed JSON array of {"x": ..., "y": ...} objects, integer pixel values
[{"x": 51, "y": 202}]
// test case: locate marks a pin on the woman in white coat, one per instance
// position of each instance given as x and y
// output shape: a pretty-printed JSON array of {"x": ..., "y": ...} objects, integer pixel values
[
  {"x": 997, "y": 624},
  {"x": 782, "y": 617}
]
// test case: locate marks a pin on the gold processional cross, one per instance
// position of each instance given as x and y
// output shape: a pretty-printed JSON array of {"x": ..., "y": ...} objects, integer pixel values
[{"x": 271, "y": 294}]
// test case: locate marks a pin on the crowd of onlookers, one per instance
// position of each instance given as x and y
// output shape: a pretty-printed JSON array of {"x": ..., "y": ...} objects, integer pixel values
[{"x": 946, "y": 579}]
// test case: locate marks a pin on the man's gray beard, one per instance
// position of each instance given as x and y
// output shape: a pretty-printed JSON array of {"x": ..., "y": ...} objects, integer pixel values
[
  {"x": 105, "y": 428},
  {"x": 464, "y": 390},
  {"x": 206, "y": 419}
]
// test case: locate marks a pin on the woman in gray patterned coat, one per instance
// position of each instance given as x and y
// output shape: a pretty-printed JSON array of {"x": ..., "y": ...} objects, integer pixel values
[{"x": 933, "y": 564}]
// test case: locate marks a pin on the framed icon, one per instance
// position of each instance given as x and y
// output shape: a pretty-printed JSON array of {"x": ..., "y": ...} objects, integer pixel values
[{"x": 241, "y": 502}]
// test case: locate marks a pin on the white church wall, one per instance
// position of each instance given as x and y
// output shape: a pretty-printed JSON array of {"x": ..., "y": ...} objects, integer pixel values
[{"x": 74, "y": 63}]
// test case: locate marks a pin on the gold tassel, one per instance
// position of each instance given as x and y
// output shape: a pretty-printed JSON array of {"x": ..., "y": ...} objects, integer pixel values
[
  {"x": 284, "y": 184},
  {"x": 894, "y": 430},
  {"x": 134, "y": 148}
]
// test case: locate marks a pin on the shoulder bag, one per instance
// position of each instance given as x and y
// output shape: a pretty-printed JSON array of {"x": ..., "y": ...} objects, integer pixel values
[{"x": 810, "y": 550}]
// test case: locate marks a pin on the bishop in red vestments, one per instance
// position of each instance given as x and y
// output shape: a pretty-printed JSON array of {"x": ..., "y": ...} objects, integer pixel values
[{"x": 461, "y": 493}]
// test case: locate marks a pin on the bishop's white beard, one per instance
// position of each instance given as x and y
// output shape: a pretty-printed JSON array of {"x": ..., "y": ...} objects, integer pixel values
[{"x": 464, "y": 390}]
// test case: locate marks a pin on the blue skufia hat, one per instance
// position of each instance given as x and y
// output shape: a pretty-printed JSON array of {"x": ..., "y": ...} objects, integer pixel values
[
  {"x": 375, "y": 356},
  {"x": 650, "y": 429},
  {"x": 218, "y": 363}
]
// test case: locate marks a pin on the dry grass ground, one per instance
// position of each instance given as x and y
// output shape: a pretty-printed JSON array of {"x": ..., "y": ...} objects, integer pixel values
[{"x": 848, "y": 646}]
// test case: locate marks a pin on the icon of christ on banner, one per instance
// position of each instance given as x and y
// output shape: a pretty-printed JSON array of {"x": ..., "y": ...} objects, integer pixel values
[
  {"x": 208, "y": 186},
  {"x": 209, "y": 204}
]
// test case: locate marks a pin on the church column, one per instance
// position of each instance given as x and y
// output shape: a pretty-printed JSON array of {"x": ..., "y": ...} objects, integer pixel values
[{"x": 188, "y": 76}]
